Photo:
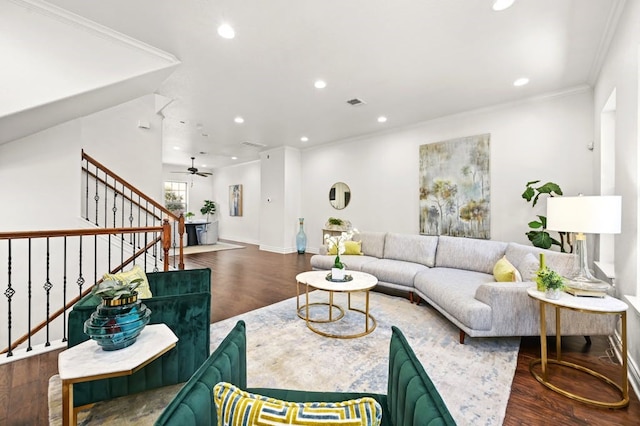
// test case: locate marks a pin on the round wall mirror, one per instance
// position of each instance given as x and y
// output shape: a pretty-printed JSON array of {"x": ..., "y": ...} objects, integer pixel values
[{"x": 339, "y": 195}]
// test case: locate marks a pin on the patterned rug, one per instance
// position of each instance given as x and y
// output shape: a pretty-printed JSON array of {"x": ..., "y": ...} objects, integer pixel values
[{"x": 474, "y": 379}]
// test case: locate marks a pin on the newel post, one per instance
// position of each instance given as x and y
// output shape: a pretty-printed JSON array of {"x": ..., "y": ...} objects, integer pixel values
[{"x": 181, "y": 236}]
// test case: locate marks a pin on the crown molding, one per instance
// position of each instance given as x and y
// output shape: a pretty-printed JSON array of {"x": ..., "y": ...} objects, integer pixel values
[
  {"x": 69, "y": 18},
  {"x": 605, "y": 41}
]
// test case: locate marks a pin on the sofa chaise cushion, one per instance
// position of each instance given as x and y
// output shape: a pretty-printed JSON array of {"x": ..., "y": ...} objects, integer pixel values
[
  {"x": 402, "y": 274},
  {"x": 453, "y": 290}
]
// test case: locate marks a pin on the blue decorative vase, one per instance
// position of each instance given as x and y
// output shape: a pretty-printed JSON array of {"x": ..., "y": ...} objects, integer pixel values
[
  {"x": 301, "y": 238},
  {"x": 116, "y": 324}
]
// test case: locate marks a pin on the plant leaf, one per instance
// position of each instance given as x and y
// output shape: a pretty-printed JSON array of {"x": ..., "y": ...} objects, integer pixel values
[
  {"x": 542, "y": 239},
  {"x": 535, "y": 224},
  {"x": 528, "y": 193}
]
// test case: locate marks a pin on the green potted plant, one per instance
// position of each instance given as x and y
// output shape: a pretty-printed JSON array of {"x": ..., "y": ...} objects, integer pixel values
[
  {"x": 538, "y": 234},
  {"x": 112, "y": 290},
  {"x": 208, "y": 208},
  {"x": 551, "y": 281},
  {"x": 188, "y": 216}
]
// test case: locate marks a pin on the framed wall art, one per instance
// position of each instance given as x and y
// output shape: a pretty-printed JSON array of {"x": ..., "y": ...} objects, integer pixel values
[
  {"x": 455, "y": 190},
  {"x": 235, "y": 200}
]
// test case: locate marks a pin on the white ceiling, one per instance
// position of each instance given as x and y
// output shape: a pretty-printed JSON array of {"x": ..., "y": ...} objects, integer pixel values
[{"x": 410, "y": 60}]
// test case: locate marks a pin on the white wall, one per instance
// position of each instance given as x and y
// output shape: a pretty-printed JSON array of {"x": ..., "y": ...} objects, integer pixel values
[
  {"x": 620, "y": 71},
  {"x": 245, "y": 228},
  {"x": 543, "y": 138}
]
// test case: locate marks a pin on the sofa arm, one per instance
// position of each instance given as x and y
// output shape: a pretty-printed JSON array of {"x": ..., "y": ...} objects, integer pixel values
[
  {"x": 193, "y": 405},
  {"x": 513, "y": 312},
  {"x": 412, "y": 398}
]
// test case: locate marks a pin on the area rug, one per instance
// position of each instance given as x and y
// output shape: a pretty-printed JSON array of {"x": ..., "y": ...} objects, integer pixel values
[
  {"x": 474, "y": 379},
  {"x": 210, "y": 247}
]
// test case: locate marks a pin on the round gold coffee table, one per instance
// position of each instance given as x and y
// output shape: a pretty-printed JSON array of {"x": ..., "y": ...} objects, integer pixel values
[{"x": 317, "y": 280}]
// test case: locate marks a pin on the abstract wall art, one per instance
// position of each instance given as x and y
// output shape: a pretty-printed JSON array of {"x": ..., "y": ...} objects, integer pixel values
[
  {"x": 235, "y": 200},
  {"x": 455, "y": 187}
]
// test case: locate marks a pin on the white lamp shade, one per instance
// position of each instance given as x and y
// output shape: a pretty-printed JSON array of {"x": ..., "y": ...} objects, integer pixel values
[{"x": 586, "y": 214}]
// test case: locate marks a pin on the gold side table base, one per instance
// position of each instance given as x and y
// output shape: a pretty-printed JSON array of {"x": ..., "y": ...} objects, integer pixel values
[
  {"x": 602, "y": 404},
  {"x": 330, "y": 319}
]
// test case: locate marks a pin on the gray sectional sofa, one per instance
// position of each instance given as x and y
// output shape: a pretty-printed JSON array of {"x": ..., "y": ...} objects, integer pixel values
[{"x": 455, "y": 276}]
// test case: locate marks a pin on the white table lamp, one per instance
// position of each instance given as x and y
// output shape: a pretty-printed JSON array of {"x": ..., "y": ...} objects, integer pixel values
[{"x": 584, "y": 215}]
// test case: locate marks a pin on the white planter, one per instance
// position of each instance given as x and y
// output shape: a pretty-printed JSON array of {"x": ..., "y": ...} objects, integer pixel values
[
  {"x": 553, "y": 294},
  {"x": 337, "y": 274}
]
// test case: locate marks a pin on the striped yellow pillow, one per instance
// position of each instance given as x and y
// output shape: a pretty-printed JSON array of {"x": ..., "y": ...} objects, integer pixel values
[{"x": 237, "y": 407}]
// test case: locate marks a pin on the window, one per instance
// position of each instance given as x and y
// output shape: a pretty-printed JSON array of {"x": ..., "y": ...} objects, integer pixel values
[{"x": 175, "y": 197}]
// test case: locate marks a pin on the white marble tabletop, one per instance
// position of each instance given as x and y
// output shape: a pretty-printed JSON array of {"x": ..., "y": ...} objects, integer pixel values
[
  {"x": 88, "y": 360},
  {"x": 594, "y": 304},
  {"x": 318, "y": 279}
]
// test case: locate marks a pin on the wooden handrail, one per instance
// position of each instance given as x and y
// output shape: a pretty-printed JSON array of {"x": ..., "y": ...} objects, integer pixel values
[
  {"x": 76, "y": 232},
  {"x": 117, "y": 191},
  {"x": 159, "y": 206}
]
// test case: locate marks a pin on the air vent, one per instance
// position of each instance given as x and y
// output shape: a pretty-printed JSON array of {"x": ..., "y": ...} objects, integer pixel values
[
  {"x": 254, "y": 144},
  {"x": 355, "y": 102}
]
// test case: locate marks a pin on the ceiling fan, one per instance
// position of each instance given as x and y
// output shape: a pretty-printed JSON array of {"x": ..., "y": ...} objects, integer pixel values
[{"x": 194, "y": 171}]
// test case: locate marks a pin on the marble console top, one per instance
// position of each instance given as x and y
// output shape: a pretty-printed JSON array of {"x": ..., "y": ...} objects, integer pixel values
[
  {"x": 88, "y": 360},
  {"x": 594, "y": 304}
]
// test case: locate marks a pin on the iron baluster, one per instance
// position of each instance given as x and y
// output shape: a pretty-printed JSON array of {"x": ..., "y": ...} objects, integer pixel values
[
  {"x": 47, "y": 287},
  {"x": 9, "y": 292},
  {"x": 96, "y": 197},
  {"x": 80, "y": 280},
  {"x": 131, "y": 239},
  {"x": 86, "y": 198},
  {"x": 114, "y": 209},
  {"x": 95, "y": 259},
  {"x": 29, "y": 296},
  {"x": 64, "y": 291},
  {"x": 106, "y": 187}
]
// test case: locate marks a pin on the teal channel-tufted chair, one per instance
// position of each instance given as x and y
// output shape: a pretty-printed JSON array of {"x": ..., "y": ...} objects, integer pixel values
[
  {"x": 182, "y": 301},
  {"x": 411, "y": 399}
]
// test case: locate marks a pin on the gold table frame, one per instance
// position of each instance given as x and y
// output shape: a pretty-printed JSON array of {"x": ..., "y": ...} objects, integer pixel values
[
  {"x": 544, "y": 360},
  {"x": 362, "y": 282}
]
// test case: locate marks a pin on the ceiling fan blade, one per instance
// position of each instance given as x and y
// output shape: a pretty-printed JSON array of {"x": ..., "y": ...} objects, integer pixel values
[{"x": 204, "y": 174}]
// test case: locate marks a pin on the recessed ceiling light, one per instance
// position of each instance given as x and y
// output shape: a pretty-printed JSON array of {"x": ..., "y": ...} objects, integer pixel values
[
  {"x": 304, "y": 139},
  {"x": 203, "y": 165},
  {"x": 382, "y": 119},
  {"x": 177, "y": 148},
  {"x": 499, "y": 5},
  {"x": 234, "y": 158},
  {"x": 239, "y": 120},
  {"x": 320, "y": 84},
  {"x": 226, "y": 31},
  {"x": 521, "y": 81}
]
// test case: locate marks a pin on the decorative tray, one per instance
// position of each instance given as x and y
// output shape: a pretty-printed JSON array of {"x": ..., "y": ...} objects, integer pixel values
[{"x": 346, "y": 278}]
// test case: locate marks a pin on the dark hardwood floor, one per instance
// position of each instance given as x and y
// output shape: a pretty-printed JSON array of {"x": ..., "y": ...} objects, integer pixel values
[{"x": 247, "y": 279}]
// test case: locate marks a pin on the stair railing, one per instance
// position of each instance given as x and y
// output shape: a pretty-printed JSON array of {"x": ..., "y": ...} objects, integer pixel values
[
  {"x": 42, "y": 267},
  {"x": 110, "y": 201}
]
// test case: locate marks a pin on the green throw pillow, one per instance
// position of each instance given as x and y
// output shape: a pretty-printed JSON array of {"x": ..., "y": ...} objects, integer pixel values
[
  {"x": 236, "y": 407},
  {"x": 143, "y": 289},
  {"x": 504, "y": 271}
]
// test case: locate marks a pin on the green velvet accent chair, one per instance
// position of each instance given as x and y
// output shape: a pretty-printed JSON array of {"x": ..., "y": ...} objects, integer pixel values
[
  {"x": 182, "y": 301},
  {"x": 411, "y": 397}
]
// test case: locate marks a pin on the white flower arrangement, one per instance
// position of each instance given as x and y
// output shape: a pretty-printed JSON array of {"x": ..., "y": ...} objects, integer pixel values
[{"x": 338, "y": 241}]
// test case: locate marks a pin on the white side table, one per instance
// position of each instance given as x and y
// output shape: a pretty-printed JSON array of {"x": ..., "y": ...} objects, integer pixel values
[
  {"x": 87, "y": 361},
  {"x": 596, "y": 305}
]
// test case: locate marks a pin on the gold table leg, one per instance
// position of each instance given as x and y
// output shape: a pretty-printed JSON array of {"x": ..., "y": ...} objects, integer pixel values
[
  {"x": 622, "y": 388},
  {"x": 68, "y": 412}
]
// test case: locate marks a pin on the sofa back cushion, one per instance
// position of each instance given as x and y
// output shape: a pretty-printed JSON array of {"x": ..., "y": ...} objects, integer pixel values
[
  {"x": 469, "y": 254},
  {"x": 526, "y": 259},
  {"x": 372, "y": 243},
  {"x": 411, "y": 248}
]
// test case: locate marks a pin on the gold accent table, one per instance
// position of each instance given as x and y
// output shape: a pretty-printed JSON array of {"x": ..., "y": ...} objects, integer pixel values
[
  {"x": 87, "y": 361},
  {"x": 595, "y": 305},
  {"x": 361, "y": 282}
]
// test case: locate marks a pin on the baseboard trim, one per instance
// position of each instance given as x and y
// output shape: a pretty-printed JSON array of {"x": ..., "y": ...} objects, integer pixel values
[{"x": 632, "y": 366}]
